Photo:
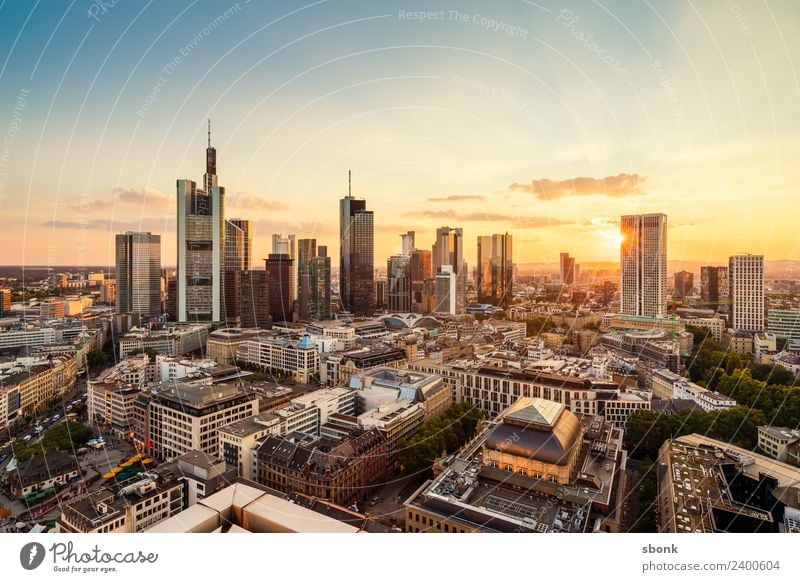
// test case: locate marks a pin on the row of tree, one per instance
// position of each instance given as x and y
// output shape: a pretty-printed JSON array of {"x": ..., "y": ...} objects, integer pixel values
[
  {"x": 447, "y": 433},
  {"x": 66, "y": 436}
]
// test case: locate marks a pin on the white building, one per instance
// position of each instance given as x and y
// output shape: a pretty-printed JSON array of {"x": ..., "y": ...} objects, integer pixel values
[
  {"x": 773, "y": 440},
  {"x": 704, "y": 398},
  {"x": 643, "y": 265},
  {"x": 784, "y": 323},
  {"x": 172, "y": 341},
  {"x": 746, "y": 288},
  {"x": 237, "y": 441},
  {"x": 300, "y": 359},
  {"x": 446, "y": 291}
]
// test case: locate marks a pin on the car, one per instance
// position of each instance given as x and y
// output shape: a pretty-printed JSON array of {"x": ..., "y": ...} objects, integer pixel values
[
  {"x": 68, "y": 408},
  {"x": 2, "y": 458},
  {"x": 38, "y": 428},
  {"x": 27, "y": 438},
  {"x": 56, "y": 417}
]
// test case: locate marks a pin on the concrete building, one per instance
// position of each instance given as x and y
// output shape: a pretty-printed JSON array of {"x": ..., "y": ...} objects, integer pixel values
[
  {"x": 643, "y": 265},
  {"x": 684, "y": 285},
  {"x": 446, "y": 291},
  {"x": 706, "y": 485},
  {"x": 746, "y": 280},
  {"x": 336, "y": 368},
  {"x": 298, "y": 360},
  {"x": 172, "y": 340},
  {"x": 237, "y": 442},
  {"x": 201, "y": 246},
  {"x": 495, "y": 269},
  {"x": 127, "y": 507},
  {"x": 784, "y": 323},
  {"x": 448, "y": 250},
  {"x": 382, "y": 386},
  {"x": 188, "y": 417},
  {"x": 356, "y": 255},
  {"x": 774, "y": 440},
  {"x": 222, "y": 344},
  {"x": 138, "y": 274}
]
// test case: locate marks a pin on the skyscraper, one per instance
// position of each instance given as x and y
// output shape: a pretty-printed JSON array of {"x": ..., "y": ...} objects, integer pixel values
[
  {"x": 448, "y": 249},
  {"x": 238, "y": 245},
  {"x": 287, "y": 245},
  {"x": 495, "y": 269},
  {"x": 306, "y": 251},
  {"x": 254, "y": 298},
  {"x": 201, "y": 242},
  {"x": 746, "y": 288},
  {"x": 280, "y": 269},
  {"x": 398, "y": 272},
  {"x": 567, "y": 268},
  {"x": 684, "y": 284},
  {"x": 643, "y": 265},
  {"x": 446, "y": 290},
  {"x": 138, "y": 274},
  {"x": 356, "y": 255},
  {"x": 714, "y": 284},
  {"x": 407, "y": 243},
  {"x": 421, "y": 270},
  {"x": 320, "y": 284}
]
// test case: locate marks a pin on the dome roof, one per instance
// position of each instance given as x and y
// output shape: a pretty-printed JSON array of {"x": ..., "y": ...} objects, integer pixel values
[{"x": 537, "y": 429}]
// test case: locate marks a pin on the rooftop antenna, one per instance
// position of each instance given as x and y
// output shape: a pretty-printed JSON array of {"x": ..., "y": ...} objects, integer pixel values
[
  {"x": 209, "y": 132},
  {"x": 349, "y": 190}
]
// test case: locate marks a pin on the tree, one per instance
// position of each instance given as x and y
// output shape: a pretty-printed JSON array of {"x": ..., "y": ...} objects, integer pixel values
[
  {"x": 96, "y": 359},
  {"x": 536, "y": 325}
]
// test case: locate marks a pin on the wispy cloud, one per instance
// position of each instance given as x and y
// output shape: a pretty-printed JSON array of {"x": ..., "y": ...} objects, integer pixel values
[
  {"x": 515, "y": 219},
  {"x": 456, "y": 198},
  {"x": 252, "y": 201},
  {"x": 613, "y": 186}
]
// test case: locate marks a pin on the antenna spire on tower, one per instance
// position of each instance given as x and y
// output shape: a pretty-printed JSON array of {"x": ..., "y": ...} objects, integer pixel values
[
  {"x": 209, "y": 132},
  {"x": 349, "y": 189}
]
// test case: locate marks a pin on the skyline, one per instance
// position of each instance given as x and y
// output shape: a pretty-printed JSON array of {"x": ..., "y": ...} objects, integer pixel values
[{"x": 525, "y": 131}]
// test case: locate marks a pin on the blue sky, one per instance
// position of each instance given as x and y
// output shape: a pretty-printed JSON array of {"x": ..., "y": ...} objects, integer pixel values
[{"x": 482, "y": 118}]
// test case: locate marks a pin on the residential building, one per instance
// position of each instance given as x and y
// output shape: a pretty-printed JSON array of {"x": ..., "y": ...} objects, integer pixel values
[
  {"x": 746, "y": 288},
  {"x": 495, "y": 269},
  {"x": 201, "y": 246},
  {"x": 356, "y": 255},
  {"x": 29, "y": 384},
  {"x": 643, "y": 265},
  {"x": 297, "y": 360}
]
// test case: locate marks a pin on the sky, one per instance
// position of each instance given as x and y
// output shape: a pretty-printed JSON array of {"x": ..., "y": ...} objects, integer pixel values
[{"x": 544, "y": 120}]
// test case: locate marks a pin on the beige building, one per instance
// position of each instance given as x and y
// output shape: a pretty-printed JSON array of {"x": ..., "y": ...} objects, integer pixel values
[
  {"x": 223, "y": 344},
  {"x": 774, "y": 440},
  {"x": 188, "y": 417},
  {"x": 237, "y": 442},
  {"x": 30, "y": 388}
]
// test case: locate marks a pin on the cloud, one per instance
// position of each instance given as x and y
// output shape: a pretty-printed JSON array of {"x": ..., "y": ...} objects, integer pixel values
[
  {"x": 155, "y": 225},
  {"x": 456, "y": 198},
  {"x": 517, "y": 220},
  {"x": 148, "y": 196},
  {"x": 251, "y": 201},
  {"x": 613, "y": 186}
]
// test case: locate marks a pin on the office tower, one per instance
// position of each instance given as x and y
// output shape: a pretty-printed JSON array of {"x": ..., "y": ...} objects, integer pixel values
[
  {"x": 306, "y": 252},
  {"x": 448, "y": 249},
  {"x": 684, "y": 284},
  {"x": 287, "y": 245},
  {"x": 407, "y": 243},
  {"x": 254, "y": 305},
  {"x": 138, "y": 274},
  {"x": 643, "y": 265},
  {"x": 714, "y": 284},
  {"x": 356, "y": 255},
  {"x": 232, "y": 279},
  {"x": 381, "y": 299},
  {"x": 420, "y": 270},
  {"x": 446, "y": 300},
  {"x": 280, "y": 269},
  {"x": 238, "y": 245},
  {"x": 320, "y": 285},
  {"x": 201, "y": 246},
  {"x": 495, "y": 269},
  {"x": 398, "y": 273},
  {"x": 5, "y": 301},
  {"x": 568, "y": 269},
  {"x": 746, "y": 289}
]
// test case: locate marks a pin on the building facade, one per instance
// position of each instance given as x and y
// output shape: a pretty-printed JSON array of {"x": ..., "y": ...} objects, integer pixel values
[
  {"x": 398, "y": 271},
  {"x": 356, "y": 256},
  {"x": 495, "y": 269},
  {"x": 746, "y": 284},
  {"x": 138, "y": 274},
  {"x": 643, "y": 265}
]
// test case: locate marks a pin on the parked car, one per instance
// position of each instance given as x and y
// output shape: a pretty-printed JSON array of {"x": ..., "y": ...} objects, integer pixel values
[
  {"x": 56, "y": 417},
  {"x": 27, "y": 438}
]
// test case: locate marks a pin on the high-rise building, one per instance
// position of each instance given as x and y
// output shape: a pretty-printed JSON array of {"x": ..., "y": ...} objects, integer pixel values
[
  {"x": 320, "y": 285},
  {"x": 398, "y": 272},
  {"x": 714, "y": 284},
  {"x": 421, "y": 269},
  {"x": 568, "y": 269},
  {"x": 495, "y": 269},
  {"x": 306, "y": 252},
  {"x": 232, "y": 280},
  {"x": 201, "y": 246},
  {"x": 446, "y": 292},
  {"x": 407, "y": 244},
  {"x": 280, "y": 269},
  {"x": 381, "y": 286},
  {"x": 287, "y": 245},
  {"x": 684, "y": 284},
  {"x": 448, "y": 249},
  {"x": 138, "y": 274},
  {"x": 356, "y": 255},
  {"x": 254, "y": 305},
  {"x": 746, "y": 288},
  {"x": 238, "y": 245},
  {"x": 643, "y": 265},
  {"x": 5, "y": 301}
]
